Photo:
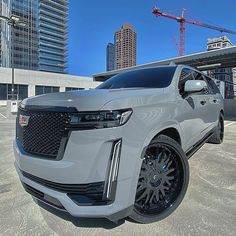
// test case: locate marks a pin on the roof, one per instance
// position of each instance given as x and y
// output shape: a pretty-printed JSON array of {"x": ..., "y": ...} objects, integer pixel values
[{"x": 219, "y": 58}]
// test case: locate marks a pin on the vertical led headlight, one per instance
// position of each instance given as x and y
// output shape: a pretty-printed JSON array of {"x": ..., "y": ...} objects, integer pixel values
[{"x": 112, "y": 174}]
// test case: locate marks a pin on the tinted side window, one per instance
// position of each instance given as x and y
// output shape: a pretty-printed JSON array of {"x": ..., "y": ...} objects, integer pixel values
[
  {"x": 186, "y": 74},
  {"x": 212, "y": 85},
  {"x": 198, "y": 76}
]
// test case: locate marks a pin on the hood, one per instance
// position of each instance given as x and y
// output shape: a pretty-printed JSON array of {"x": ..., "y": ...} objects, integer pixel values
[{"x": 92, "y": 100}]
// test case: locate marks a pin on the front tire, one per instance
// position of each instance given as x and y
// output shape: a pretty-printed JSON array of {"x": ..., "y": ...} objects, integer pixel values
[{"x": 162, "y": 182}]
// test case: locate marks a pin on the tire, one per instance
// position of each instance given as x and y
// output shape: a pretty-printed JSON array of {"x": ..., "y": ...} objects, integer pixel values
[
  {"x": 163, "y": 180},
  {"x": 218, "y": 135}
]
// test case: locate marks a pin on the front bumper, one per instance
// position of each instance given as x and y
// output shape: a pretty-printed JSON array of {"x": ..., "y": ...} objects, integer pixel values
[
  {"x": 86, "y": 160},
  {"x": 62, "y": 202}
]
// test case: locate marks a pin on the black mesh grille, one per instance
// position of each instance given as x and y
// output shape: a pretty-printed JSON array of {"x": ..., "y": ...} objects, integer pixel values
[{"x": 44, "y": 133}]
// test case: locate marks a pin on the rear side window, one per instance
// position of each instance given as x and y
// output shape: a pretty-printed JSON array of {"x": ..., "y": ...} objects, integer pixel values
[
  {"x": 212, "y": 88},
  {"x": 212, "y": 85},
  {"x": 159, "y": 77}
]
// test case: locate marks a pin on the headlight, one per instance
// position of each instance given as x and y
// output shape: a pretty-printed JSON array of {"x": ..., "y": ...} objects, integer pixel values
[{"x": 99, "y": 119}]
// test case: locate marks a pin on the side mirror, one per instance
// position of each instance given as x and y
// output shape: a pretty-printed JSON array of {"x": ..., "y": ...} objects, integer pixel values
[{"x": 193, "y": 86}]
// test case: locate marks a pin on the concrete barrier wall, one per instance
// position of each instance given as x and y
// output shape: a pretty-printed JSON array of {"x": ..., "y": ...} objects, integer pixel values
[{"x": 230, "y": 107}]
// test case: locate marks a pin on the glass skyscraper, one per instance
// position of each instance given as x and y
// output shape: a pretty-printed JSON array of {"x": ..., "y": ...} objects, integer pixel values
[
  {"x": 52, "y": 26},
  {"x": 5, "y": 34},
  {"x": 110, "y": 52},
  {"x": 42, "y": 44}
]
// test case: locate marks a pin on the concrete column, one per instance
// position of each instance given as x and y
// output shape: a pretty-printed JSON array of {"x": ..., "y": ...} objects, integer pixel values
[
  {"x": 62, "y": 89},
  {"x": 31, "y": 90}
]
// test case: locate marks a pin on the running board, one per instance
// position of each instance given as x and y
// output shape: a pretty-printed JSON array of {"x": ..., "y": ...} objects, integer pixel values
[{"x": 199, "y": 144}]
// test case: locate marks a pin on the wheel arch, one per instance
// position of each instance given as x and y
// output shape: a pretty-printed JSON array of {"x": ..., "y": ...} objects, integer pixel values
[{"x": 170, "y": 132}]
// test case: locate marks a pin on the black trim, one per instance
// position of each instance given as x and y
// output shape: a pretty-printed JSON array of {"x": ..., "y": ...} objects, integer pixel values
[
  {"x": 47, "y": 108},
  {"x": 199, "y": 144},
  {"x": 63, "y": 145},
  {"x": 43, "y": 197},
  {"x": 82, "y": 194},
  {"x": 65, "y": 188},
  {"x": 53, "y": 202}
]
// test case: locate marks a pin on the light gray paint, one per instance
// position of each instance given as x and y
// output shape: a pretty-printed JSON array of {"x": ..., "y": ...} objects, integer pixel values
[
  {"x": 195, "y": 85},
  {"x": 87, "y": 153}
]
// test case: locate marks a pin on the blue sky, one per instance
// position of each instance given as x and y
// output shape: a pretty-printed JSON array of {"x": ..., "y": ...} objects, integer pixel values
[{"x": 92, "y": 25}]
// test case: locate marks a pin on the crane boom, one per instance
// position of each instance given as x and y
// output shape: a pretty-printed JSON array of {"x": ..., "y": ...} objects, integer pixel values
[
  {"x": 194, "y": 22},
  {"x": 182, "y": 20}
]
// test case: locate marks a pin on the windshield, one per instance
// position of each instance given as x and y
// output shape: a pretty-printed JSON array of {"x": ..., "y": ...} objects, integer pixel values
[{"x": 159, "y": 77}]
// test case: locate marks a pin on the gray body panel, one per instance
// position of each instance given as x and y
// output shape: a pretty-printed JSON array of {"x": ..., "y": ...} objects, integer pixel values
[{"x": 87, "y": 152}]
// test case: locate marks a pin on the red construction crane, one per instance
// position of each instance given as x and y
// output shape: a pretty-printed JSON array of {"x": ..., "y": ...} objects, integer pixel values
[{"x": 182, "y": 20}]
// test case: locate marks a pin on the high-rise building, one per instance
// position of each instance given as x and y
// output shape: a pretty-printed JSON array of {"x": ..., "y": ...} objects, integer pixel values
[
  {"x": 52, "y": 24},
  {"x": 42, "y": 44},
  {"x": 125, "y": 47},
  {"x": 227, "y": 75},
  {"x": 110, "y": 56},
  {"x": 5, "y": 32},
  {"x": 23, "y": 52}
]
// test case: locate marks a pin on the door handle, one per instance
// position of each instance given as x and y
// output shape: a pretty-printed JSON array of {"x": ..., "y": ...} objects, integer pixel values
[{"x": 203, "y": 102}]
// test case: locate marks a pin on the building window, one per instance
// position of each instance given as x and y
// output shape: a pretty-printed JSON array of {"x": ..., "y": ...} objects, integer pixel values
[
  {"x": 71, "y": 88},
  {"x": 20, "y": 91},
  {"x": 45, "y": 89},
  {"x": 3, "y": 91}
]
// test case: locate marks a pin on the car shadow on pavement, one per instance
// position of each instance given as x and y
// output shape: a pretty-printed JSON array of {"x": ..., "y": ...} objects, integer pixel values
[
  {"x": 81, "y": 222},
  {"x": 230, "y": 118}
]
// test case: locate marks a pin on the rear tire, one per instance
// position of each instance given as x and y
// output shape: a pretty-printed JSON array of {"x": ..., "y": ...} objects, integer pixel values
[
  {"x": 163, "y": 180},
  {"x": 218, "y": 136}
]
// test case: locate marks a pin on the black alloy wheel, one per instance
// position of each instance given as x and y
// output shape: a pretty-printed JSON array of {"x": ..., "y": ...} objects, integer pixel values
[
  {"x": 218, "y": 135},
  {"x": 221, "y": 128},
  {"x": 162, "y": 182}
]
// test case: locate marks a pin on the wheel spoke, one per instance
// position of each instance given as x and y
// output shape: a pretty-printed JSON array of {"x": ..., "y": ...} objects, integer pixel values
[
  {"x": 165, "y": 187},
  {"x": 141, "y": 187},
  {"x": 169, "y": 164},
  {"x": 152, "y": 196},
  {"x": 162, "y": 192},
  {"x": 169, "y": 171},
  {"x": 157, "y": 195},
  {"x": 169, "y": 177},
  {"x": 148, "y": 197},
  {"x": 168, "y": 182},
  {"x": 163, "y": 157},
  {"x": 142, "y": 196}
]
